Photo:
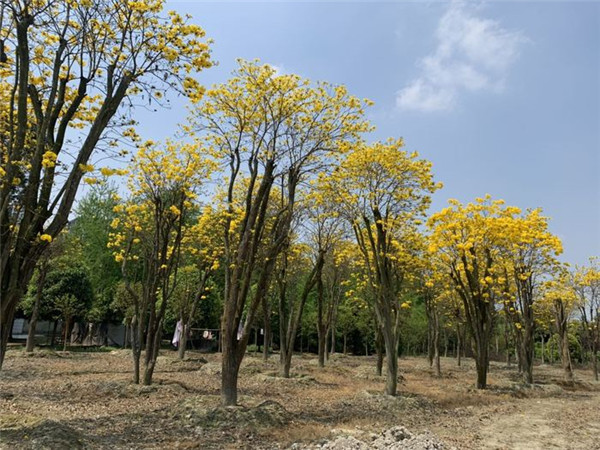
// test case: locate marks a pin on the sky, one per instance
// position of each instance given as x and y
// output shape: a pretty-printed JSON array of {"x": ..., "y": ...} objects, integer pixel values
[{"x": 503, "y": 97}]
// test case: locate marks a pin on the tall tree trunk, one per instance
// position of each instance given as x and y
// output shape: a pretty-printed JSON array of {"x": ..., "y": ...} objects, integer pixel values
[
  {"x": 543, "y": 355},
  {"x": 445, "y": 344},
  {"x": 332, "y": 348},
  {"x": 436, "y": 343},
  {"x": 136, "y": 347},
  {"x": 66, "y": 333},
  {"x": 527, "y": 349},
  {"x": 53, "y": 336},
  {"x": 127, "y": 332},
  {"x": 322, "y": 344},
  {"x": 267, "y": 328},
  {"x": 321, "y": 325},
  {"x": 183, "y": 340},
  {"x": 391, "y": 352},
  {"x": 458, "y": 345},
  {"x": 379, "y": 350},
  {"x": 6, "y": 321},
  {"x": 36, "y": 308},
  {"x": 562, "y": 325},
  {"x": 229, "y": 379},
  {"x": 430, "y": 330},
  {"x": 482, "y": 363}
]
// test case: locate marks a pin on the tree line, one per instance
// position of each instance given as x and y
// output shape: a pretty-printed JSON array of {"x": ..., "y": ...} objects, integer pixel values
[{"x": 269, "y": 203}]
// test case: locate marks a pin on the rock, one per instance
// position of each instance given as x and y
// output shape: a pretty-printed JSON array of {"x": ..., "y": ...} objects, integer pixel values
[{"x": 395, "y": 438}]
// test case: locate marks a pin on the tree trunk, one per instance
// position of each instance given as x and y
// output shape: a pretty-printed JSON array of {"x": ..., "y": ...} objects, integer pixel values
[
  {"x": 345, "y": 348},
  {"x": 543, "y": 356},
  {"x": 36, "y": 308},
  {"x": 565, "y": 355},
  {"x": 481, "y": 362},
  {"x": 379, "y": 350},
  {"x": 6, "y": 321},
  {"x": 229, "y": 378},
  {"x": 136, "y": 347},
  {"x": 66, "y": 333},
  {"x": 332, "y": 348},
  {"x": 53, "y": 336},
  {"x": 527, "y": 349},
  {"x": 562, "y": 325},
  {"x": 436, "y": 343},
  {"x": 430, "y": 330},
  {"x": 322, "y": 337},
  {"x": 153, "y": 338},
  {"x": 267, "y": 328},
  {"x": 125, "y": 335},
  {"x": 321, "y": 325},
  {"x": 458, "y": 345},
  {"x": 445, "y": 344},
  {"x": 391, "y": 352},
  {"x": 183, "y": 340},
  {"x": 595, "y": 364},
  {"x": 285, "y": 366}
]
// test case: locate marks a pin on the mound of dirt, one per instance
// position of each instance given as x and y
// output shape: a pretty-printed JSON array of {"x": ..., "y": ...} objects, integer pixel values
[
  {"x": 194, "y": 411},
  {"x": 367, "y": 372},
  {"x": 211, "y": 369},
  {"x": 296, "y": 378},
  {"x": 396, "y": 438},
  {"x": 44, "y": 434}
]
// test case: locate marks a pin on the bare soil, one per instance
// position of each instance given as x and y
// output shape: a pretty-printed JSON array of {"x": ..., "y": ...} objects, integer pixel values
[{"x": 85, "y": 400}]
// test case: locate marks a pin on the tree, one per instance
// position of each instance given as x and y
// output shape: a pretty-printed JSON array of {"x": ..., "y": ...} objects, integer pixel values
[
  {"x": 70, "y": 293},
  {"x": 324, "y": 228},
  {"x": 587, "y": 288},
  {"x": 149, "y": 233},
  {"x": 464, "y": 241},
  {"x": 270, "y": 130},
  {"x": 202, "y": 251},
  {"x": 68, "y": 68},
  {"x": 91, "y": 227},
  {"x": 529, "y": 251},
  {"x": 560, "y": 300},
  {"x": 296, "y": 277},
  {"x": 383, "y": 192}
]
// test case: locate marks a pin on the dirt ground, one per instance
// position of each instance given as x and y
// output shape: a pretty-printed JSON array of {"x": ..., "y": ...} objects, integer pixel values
[{"x": 85, "y": 400}]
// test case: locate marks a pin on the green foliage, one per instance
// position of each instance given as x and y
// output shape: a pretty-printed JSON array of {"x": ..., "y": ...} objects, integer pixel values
[
  {"x": 413, "y": 331},
  {"x": 68, "y": 290},
  {"x": 91, "y": 232}
]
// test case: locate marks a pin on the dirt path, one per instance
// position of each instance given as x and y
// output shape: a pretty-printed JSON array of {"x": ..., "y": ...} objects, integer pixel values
[{"x": 541, "y": 424}]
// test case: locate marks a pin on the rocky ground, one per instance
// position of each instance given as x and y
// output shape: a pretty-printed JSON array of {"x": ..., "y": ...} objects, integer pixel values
[{"x": 85, "y": 400}]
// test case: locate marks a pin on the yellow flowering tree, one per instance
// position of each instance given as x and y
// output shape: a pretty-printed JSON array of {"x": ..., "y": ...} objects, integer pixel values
[
  {"x": 529, "y": 252},
  {"x": 559, "y": 301},
  {"x": 464, "y": 242},
  {"x": 324, "y": 234},
  {"x": 586, "y": 285},
  {"x": 202, "y": 252},
  {"x": 270, "y": 130},
  {"x": 383, "y": 192},
  {"x": 67, "y": 67},
  {"x": 295, "y": 277},
  {"x": 149, "y": 232}
]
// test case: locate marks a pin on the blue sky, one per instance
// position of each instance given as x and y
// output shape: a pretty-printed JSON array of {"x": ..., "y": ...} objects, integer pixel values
[{"x": 502, "y": 97}]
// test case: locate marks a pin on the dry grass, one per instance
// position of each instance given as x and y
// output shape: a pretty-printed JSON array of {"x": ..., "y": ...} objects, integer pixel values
[{"x": 89, "y": 396}]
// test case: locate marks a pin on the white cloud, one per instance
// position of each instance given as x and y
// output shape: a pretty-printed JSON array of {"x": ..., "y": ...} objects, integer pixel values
[{"x": 473, "y": 54}]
